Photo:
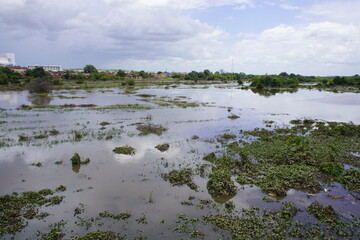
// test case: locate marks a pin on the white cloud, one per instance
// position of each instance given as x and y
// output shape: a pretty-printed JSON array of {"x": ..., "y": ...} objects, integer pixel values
[
  {"x": 345, "y": 11},
  {"x": 288, "y": 6}
]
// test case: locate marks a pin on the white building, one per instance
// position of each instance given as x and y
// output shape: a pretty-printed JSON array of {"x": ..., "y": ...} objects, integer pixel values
[
  {"x": 53, "y": 68},
  {"x": 7, "y": 59}
]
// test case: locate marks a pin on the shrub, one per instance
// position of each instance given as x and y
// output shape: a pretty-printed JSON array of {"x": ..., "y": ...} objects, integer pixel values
[{"x": 40, "y": 85}]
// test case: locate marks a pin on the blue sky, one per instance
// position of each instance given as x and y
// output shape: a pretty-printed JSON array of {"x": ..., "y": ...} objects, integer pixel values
[{"x": 314, "y": 37}]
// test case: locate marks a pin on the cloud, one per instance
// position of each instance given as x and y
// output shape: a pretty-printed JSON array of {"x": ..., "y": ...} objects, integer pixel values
[
  {"x": 345, "y": 11},
  {"x": 289, "y": 7},
  {"x": 163, "y": 34}
]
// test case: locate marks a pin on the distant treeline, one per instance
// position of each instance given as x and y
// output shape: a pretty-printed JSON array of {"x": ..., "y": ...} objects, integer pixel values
[{"x": 283, "y": 80}]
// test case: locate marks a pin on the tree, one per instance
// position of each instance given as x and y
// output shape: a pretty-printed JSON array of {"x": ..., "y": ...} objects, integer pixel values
[
  {"x": 90, "y": 69},
  {"x": 37, "y": 72},
  {"x": 121, "y": 73}
]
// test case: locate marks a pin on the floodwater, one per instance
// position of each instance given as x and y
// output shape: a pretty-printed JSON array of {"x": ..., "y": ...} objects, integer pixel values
[{"x": 119, "y": 183}]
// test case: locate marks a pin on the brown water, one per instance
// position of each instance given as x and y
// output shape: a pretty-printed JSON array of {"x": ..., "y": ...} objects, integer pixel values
[{"x": 120, "y": 183}]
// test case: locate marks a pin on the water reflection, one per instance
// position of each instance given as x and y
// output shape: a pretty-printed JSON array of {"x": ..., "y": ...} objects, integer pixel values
[
  {"x": 9, "y": 97},
  {"x": 76, "y": 168},
  {"x": 271, "y": 92},
  {"x": 38, "y": 99}
]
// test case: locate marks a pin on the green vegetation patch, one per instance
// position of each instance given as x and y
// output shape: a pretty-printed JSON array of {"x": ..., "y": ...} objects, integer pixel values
[
  {"x": 331, "y": 168},
  {"x": 294, "y": 158},
  {"x": 351, "y": 180},
  {"x": 181, "y": 177},
  {"x": 126, "y": 150},
  {"x": 162, "y": 147},
  {"x": 119, "y": 216},
  {"x": 322, "y": 213},
  {"x": 150, "y": 128},
  {"x": 233, "y": 116},
  {"x": 220, "y": 183},
  {"x": 101, "y": 235},
  {"x": 280, "y": 179},
  {"x": 76, "y": 160},
  {"x": 16, "y": 209}
]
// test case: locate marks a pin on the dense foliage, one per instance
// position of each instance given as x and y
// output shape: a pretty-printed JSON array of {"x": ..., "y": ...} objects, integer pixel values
[{"x": 7, "y": 75}]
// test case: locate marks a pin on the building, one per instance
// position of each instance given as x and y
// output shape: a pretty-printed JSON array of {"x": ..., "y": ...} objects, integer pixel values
[
  {"x": 53, "y": 68},
  {"x": 7, "y": 59}
]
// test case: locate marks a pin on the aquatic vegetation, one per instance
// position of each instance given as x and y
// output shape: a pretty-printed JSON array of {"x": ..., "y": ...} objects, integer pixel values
[
  {"x": 56, "y": 231},
  {"x": 324, "y": 213},
  {"x": 61, "y": 188},
  {"x": 142, "y": 220},
  {"x": 150, "y": 128},
  {"x": 54, "y": 132},
  {"x": 18, "y": 208},
  {"x": 220, "y": 183},
  {"x": 145, "y": 95},
  {"x": 126, "y": 150},
  {"x": 101, "y": 235},
  {"x": 76, "y": 160},
  {"x": 227, "y": 136},
  {"x": 331, "y": 168},
  {"x": 104, "y": 123},
  {"x": 23, "y": 138},
  {"x": 181, "y": 177},
  {"x": 351, "y": 180},
  {"x": 233, "y": 116},
  {"x": 38, "y": 164},
  {"x": 162, "y": 147},
  {"x": 119, "y": 216},
  {"x": 278, "y": 180}
]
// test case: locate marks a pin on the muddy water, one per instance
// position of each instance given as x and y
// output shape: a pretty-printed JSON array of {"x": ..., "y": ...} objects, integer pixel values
[{"x": 119, "y": 183}]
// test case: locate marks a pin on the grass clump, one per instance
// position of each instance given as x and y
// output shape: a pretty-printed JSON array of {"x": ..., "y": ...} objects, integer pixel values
[
  {"x": 351, "y": 180},
  {"x": 180, "y": 178},
  {"x": 126, "y": 150},
  {"x": 220, "y": 183},
  {"x": 331, "y": 168},
  {"x": 150, "y": 128},
  {"x": 162, "y": 147}
]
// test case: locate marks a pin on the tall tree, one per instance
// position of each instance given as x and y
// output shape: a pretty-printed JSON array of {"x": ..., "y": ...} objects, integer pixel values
[{"x": 90, "y": 69}]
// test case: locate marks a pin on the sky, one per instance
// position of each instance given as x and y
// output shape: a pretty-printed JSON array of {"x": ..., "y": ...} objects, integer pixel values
[{"x": 308, "y": 37}]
